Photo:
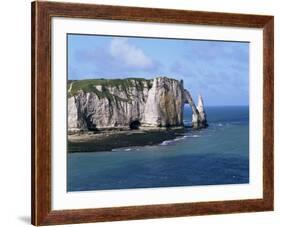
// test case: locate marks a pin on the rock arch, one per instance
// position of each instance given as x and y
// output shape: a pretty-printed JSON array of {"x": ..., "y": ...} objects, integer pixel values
[{"x": 199, "y": 119}]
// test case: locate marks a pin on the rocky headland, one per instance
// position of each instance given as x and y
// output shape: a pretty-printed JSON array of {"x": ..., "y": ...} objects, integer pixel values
[
  {"x": 131, "y": 103},
  {"x": 100, "y": 109}
]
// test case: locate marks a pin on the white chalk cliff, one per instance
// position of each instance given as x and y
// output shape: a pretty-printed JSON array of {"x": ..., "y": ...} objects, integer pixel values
[{"x": 130, "y": 103}]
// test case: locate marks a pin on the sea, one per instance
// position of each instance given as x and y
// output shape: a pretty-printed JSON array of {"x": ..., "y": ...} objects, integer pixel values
[{"x": 216, "y": 155}]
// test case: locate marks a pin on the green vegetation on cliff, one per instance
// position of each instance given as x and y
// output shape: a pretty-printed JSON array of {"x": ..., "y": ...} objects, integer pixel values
[{"x": 90, "y": 85}]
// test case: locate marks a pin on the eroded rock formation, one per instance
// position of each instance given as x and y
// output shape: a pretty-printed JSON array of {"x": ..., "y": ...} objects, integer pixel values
[{"x": 130, "y": 103}]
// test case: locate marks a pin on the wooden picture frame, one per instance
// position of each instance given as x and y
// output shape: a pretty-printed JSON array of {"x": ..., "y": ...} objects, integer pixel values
[{"x": 42, "y": 12}]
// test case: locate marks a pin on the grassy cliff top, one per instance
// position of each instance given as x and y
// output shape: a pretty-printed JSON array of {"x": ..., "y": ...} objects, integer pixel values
[{"x": 89, "y": 85}]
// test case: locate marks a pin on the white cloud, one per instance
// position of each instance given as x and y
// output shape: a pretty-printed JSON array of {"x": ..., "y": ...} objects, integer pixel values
[{"x": 129, "y": 55}]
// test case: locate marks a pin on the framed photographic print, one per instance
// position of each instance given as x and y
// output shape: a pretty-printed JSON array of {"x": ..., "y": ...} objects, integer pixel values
[{"x": 144, "y": 113}]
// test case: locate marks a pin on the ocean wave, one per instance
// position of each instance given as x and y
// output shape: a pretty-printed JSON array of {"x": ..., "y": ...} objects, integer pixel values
[
  {"x": 121, "y": 149},
  {"x": 166, "y": 142},
  {"x": 179, "y": 138},
  {"x": 191, "y": 136}
]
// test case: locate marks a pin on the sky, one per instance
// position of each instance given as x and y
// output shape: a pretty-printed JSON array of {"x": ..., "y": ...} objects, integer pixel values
[{"x": 217, "y": 70}]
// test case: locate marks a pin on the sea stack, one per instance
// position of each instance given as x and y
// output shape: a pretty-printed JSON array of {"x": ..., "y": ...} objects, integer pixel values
[{"x": 199, "y": 120}]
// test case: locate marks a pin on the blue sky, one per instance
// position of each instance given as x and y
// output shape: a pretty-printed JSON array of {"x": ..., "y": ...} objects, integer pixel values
[{"x": 217, "y": 70}]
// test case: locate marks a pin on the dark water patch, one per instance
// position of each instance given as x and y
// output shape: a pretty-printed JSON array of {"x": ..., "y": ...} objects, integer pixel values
[{"x": 168, "y": 172}]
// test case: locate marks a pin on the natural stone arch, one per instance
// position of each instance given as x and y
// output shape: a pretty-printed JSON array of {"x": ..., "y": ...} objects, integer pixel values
[{"x": 199, "y": 119}]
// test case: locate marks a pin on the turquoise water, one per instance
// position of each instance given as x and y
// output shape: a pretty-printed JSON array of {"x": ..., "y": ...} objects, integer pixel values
[{"x": 216, "y": 155}]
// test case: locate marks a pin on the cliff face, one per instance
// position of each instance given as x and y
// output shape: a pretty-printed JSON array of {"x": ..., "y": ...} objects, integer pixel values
[
  {"x": 164, "y": 103},
  {"x": 129, "y": 103}
]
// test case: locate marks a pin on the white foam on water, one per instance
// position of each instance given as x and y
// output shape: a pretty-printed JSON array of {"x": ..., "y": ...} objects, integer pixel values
[
  {"x": 121, "y": 149},
  {"x": 166, "y": 142},
  {"x": 179, "y": 138},
  {"x": 191, "y": 136}
]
